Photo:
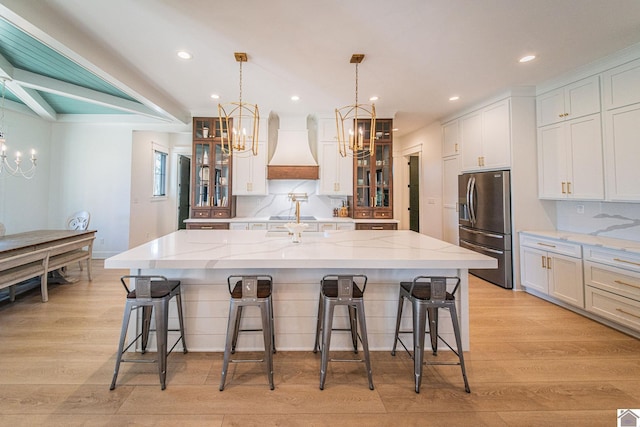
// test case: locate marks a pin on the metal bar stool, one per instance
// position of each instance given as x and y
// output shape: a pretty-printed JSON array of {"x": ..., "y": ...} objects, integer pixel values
[
  {"x": 427, "y": 295},
  {"x": 151, "y": 294},
  {"x": 250, "y": 291},
  {"x": 341, "y": 290}
]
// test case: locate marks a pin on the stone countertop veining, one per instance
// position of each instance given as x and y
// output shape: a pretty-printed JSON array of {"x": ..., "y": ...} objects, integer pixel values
[
  {"x": 588, "y": 239},
  {"x": 232, "y": 249}
]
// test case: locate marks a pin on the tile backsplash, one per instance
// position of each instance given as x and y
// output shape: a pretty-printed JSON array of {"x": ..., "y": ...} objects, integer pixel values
[
  {"x": 618, "y": 220},
  {"x": 277, "y": 202}
]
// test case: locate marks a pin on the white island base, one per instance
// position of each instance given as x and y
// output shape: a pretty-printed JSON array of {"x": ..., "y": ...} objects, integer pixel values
[{"x": 203, "y": 259}]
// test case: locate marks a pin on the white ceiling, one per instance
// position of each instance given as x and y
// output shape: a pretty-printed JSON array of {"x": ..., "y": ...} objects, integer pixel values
[{"x": 418, "y": 52}]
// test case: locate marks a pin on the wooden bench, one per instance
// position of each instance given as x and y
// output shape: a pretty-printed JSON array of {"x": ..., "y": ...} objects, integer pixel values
[{"x": 35, "y": 253}]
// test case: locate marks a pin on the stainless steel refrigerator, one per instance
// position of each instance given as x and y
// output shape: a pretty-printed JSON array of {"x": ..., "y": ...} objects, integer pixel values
[{"x": 484, "y": 206}]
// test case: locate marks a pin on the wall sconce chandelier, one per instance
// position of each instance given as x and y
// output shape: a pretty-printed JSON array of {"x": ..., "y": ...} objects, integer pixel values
[
  {"x": 5, "y": 166},
  {"x": 349, "y": 121},
  {"x": 236, "y": 117}
]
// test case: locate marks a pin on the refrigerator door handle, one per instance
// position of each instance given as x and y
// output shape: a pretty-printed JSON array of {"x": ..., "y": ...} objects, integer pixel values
[
  {"x": 484, "y": 248},
  {"x": 495, "y": 236},
  {"x": 471, "y": 199}
]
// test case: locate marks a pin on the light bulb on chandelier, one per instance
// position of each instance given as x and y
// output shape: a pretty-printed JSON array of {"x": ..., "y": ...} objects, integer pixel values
[{"x": 5, "y": 164}]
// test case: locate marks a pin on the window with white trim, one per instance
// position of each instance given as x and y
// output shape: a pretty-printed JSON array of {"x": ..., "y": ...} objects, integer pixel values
[{"x": 159, "y": 173}]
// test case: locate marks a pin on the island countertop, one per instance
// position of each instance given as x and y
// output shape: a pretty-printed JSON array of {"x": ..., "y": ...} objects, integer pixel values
[
  {"x": 231, "y": 249},
  {"x": 203, "y": 259}
]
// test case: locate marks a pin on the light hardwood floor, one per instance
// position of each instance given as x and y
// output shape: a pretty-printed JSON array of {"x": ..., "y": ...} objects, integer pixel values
[{"x": 531, "y": 364}]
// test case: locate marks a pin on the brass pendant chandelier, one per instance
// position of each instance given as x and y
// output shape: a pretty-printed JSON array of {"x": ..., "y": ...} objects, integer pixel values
[
  {"x": 236, "y": 117},
  {"x": 349, "y": 122}
]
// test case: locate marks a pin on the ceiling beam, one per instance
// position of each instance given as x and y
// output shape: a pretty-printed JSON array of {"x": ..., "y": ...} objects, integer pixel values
[
  {"x": 33, "y": 100},
  {"x": 46, "y": 25},
  {"x": 68, "y": 90}
]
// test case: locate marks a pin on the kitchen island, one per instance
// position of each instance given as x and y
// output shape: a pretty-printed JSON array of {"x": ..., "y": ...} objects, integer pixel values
[{"x": 203, "y": 259}]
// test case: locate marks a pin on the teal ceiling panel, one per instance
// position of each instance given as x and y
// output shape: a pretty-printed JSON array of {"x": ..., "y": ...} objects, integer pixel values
[
  {"x": 25, "y": 52},
  {"x": 64, "y": 105}
]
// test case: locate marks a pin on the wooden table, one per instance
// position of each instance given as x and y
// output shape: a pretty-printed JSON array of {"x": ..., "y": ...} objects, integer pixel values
[{"x": 36, "y": 253}]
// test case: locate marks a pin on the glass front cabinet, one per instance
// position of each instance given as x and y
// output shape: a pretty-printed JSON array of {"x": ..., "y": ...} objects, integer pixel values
[
  {"x": 373, "y": 173},
  {"x": 210, "y": 172}
]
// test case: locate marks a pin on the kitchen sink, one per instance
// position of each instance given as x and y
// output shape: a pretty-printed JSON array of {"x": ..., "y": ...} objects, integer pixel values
[{"x": 291, "y": 218}]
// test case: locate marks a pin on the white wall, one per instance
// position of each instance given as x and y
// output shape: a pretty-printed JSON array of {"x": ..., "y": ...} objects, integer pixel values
[
  {"x": 24, "y": 204},
  {"x": 82, "y": 166},
  {"x": 425, "y": 142},
  {"x": 151, "y": 217}
]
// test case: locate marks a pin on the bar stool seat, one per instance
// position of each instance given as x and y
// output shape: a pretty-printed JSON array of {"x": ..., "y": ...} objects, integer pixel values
[
  {"x": 151, "y": 294},
  {"x": 250, "y": 291},
  {"x": 343, "y": 290},
  {"x": 427, "y": 295}
]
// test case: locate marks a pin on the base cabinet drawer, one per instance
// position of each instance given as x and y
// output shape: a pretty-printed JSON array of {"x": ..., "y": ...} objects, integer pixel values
[
  {"x": 208, "y": 226},
  {"x": 615, "y": 280},
  {"x": 624, "y": 311},
  {"x": 376, "y": 226}
]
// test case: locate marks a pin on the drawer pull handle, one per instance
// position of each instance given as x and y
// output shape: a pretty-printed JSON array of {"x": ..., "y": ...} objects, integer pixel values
[
  {"x": 379, "y": 227},
  {"x": 628, "y": 262},
  {"x": 206, "y": 227},
  {"x": 627, "y": 313},
  {"x": 620, "y": 282},
  {"x": 547, "y": 244}
]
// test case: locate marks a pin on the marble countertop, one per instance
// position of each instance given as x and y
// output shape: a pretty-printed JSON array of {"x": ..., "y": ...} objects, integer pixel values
[
  {"x": 229, "y": 249},
  {"x": 588, "y": 239}
]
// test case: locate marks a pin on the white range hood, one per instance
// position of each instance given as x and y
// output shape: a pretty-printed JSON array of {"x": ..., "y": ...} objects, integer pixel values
[{"x": 292, "y": 158}]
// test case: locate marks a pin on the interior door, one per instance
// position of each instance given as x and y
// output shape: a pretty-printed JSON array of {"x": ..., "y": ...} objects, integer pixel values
[
  {"x": 414, "y": 193},
  {"x": 184, "y": 186}
]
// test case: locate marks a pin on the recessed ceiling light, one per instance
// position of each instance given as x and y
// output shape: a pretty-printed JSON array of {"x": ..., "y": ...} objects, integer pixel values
[
  {"x": 454, "y": 98},
  {"x": 215, "y": 96},
  {"x": 373, "y": 98},
  {"x": 295, "y": 98},
  {"x": 527, "y": 58},
  {"x": 184, "y": 54}
]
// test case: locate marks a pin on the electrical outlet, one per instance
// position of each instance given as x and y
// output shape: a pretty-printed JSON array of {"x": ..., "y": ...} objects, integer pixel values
[{"x": 580, "y": 209}]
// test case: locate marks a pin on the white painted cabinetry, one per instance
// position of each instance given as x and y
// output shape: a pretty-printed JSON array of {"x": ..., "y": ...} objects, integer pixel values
[
  {"x": 552, "y": 268},
  {"x": 485, "y": 137},
  {"x": 570, "y": 160},
  {"x": 569, "y": 102},
  {"x": 451, "y": 138},
  {"x": 622, "y": 126},
  {"x": 450, "y": 172},
  {"x": 612, "y": 285},
  {"x": 336, "y": 172},
  {"x": 250, "y": 172}
]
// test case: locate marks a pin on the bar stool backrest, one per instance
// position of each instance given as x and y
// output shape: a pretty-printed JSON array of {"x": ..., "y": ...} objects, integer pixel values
[
  {"x": 438, "y": 285},
  {"x": 346, "y": 284},
  {"x": 345, "y": 288},
  {"x": 143, "y": 285},
  {"x": 249, "y": 285}
]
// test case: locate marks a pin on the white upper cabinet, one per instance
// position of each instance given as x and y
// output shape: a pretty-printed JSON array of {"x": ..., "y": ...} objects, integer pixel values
[
  {"x": 450, "y": 138},
  {"x": 569, "y": 102},
  {"x": 250, "y": 172},
  {"x": 485, "y": 136},
  {"x": 622, "y": 130},
  {"x": 622, "y": 147},
  {"x": 622, "y": 85},
  {"x": 570, "y": 163},
  {"x": 336, "y": 172}
]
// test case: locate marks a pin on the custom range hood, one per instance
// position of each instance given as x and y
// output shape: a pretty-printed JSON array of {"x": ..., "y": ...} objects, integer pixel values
[{"x": 292, "y": 157}]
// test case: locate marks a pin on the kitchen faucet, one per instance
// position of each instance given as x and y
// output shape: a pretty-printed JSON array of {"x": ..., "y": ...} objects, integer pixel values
[{"x": 298, "y": 197}]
